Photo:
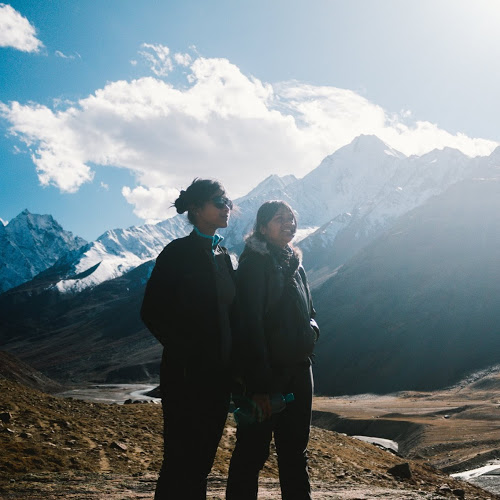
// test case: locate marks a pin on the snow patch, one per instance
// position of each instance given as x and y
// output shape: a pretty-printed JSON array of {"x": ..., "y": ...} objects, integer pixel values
[
  {"x": 384, "y": 443},
  {"x": 488, "y": 470},
  {"x": 304, "y": 233}
]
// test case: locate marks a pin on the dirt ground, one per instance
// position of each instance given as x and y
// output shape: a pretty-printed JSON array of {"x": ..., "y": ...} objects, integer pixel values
[{"x": 67, "y": 449}]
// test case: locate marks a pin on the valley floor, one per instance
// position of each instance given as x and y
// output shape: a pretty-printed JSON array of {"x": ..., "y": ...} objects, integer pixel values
[
  {"x": 454, "y": 430},
  {"x": 63, "y": 448}
]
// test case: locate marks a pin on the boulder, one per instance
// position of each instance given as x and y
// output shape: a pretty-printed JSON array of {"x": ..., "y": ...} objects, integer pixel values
[{"x": 401, "y": 471}]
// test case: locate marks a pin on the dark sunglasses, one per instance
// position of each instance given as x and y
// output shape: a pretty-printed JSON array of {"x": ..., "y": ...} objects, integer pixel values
[{"x": 221, "y": 201}]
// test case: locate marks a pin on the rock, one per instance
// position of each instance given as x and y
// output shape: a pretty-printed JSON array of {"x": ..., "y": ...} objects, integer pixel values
[
  {"x": 118, "y": 446},
  {"x": 26, "y": 435},
  {"x": 402, "y": 471},
  {"x": 444, "y": 490},
  {"x": 5, "y": 417},
  {"x": 127, "y": 402},
  {"x": 459, "y": 493}
]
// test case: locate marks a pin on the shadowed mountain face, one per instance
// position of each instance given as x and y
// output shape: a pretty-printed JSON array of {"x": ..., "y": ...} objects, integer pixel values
[
  {"x": 94, "y": 335},
  {"x": 12, "y": 368},
  {"x": 419, "y": 307}
]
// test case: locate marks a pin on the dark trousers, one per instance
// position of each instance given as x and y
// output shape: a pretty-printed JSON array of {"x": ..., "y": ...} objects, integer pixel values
[
  {"x": 291, "y": 435},
  {"x": 194, "y": 414}
]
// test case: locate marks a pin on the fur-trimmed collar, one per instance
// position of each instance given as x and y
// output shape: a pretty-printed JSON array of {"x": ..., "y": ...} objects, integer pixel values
[{"x": 258, "y": 245}]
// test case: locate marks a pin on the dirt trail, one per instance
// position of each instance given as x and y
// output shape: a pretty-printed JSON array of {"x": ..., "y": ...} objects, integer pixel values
[{"x": 121, "y": 487}]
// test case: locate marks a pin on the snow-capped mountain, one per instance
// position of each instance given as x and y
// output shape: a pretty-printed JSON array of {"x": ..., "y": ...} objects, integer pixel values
[
  {"x": 29, "y": 244},
  {"x": 405, "y": 183},
  {"x": 116, "y": 252},
  {"x": 350, "y": 198},
  {"x": 345, "y": 180},
  {"x": 353, "y": 200},
  {"x": 350, "y": 177},
  {"x": 243, "y": 217}
]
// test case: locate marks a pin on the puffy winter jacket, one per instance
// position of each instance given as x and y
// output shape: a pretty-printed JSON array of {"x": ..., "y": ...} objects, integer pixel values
[{"x": 276, "y": 330}]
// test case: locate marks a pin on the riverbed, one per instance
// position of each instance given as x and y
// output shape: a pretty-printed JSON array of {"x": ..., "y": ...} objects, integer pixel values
[
  {"x": 486, "y": 477},
  {"x": 111, "y": 393}
]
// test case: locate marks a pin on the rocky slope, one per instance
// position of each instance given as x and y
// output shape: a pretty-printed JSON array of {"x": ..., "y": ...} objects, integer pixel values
[{"x": 54, "y": 447}]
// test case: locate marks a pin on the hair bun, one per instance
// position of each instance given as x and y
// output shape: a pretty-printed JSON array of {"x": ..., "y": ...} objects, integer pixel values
[{"x": 181, "y": 204}]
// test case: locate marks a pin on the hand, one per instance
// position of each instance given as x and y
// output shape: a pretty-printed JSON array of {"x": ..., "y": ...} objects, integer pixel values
[{"x": 262, "y": 406}]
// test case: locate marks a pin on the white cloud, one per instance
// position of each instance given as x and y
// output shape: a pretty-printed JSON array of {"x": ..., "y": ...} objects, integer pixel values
[
  {"x": 55, "y": 142},
  {"x": 104, "y": 186},
  {"x": 158, "y": 57},
  {"x": 4, "y": 222},
  {"x": 223, "y": 124},
  {"x": 58, "y": 53},
  {"x": 151, "y": 204},
  {"x": 16, "y": 31},
  {"x": 182, "y": 59}
]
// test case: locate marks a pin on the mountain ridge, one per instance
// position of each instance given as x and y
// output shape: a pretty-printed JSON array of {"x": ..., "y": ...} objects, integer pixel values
[
  {"x": 29, "y": 244},
  {"x": 419, "y": 307},
  {"x": 366, "y": 179}
]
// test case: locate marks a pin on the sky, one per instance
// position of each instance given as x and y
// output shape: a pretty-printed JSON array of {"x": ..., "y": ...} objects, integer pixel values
[{"x": 108, "y": 109}]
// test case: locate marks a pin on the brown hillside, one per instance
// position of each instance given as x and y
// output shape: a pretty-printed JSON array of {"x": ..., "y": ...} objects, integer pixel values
[
  {"x": 61, "y": 448},
  {"x": 12, "y": 368}
]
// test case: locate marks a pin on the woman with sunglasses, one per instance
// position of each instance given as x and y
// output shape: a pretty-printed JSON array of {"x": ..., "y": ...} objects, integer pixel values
[
  {"x": 274, "y": 345},
  {"x": 187, "y": 306}
]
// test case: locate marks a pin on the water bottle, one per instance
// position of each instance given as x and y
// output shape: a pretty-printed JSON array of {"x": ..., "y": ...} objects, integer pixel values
[{"x": 246, "y": 415}]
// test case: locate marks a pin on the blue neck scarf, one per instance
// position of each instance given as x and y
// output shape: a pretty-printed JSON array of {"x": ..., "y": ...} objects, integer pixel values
[{"x": 216, "y": 238}]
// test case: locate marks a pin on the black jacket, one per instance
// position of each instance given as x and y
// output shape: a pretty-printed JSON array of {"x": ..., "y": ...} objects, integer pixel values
[
  {"x": 276, "y": 330},
  {"x": 180, "y": 305}
]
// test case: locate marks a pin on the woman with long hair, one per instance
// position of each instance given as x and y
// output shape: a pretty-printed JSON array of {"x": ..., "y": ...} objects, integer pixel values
[
  {"x": 187, "y": 307},
  {"x": 274, "y": 345}
]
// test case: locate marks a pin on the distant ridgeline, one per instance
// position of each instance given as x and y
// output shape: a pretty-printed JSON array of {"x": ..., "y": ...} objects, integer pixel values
[{"x": 402, "y": 253}]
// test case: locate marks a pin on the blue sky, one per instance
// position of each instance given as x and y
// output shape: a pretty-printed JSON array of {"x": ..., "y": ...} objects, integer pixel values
[{"x": 108, "y": 108}]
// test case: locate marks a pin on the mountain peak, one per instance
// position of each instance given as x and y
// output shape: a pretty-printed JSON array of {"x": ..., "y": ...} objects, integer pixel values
[
  {"x": 38, "y": 221},
  {"x": 371, "y": 144},
  {"x": 30, "y": 244},
  {"x": 270, "y": 183}
]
